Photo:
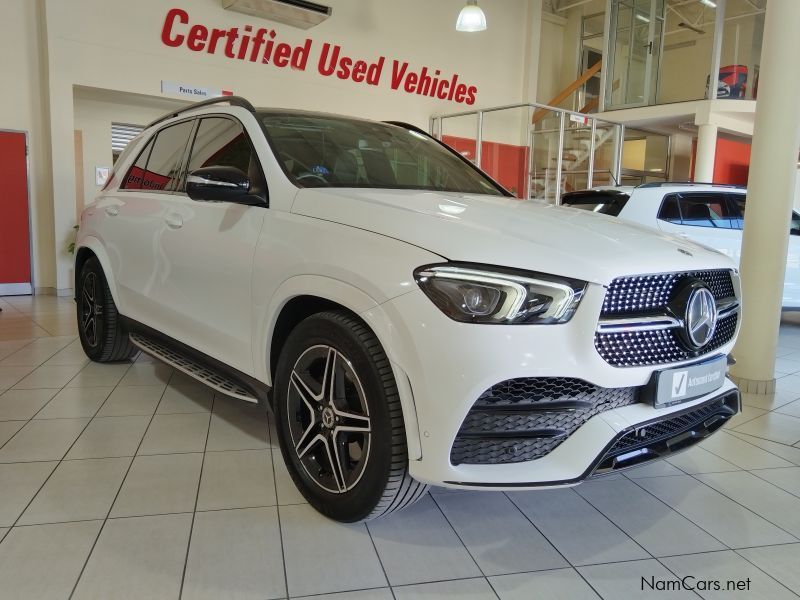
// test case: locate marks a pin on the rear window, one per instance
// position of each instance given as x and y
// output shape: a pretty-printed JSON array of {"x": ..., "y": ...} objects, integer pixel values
[{"x": 604, "y": 203}]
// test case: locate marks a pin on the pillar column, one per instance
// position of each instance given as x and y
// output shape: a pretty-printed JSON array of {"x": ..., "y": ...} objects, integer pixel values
[
  {"x": 773, "y": 168},
  {"x": 706, "y": 153}
]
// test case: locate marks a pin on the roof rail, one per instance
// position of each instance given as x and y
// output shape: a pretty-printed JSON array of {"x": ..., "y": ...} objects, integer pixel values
[
  {"x": 232, "y": 100},
  {"x": 656, "y": 184}
]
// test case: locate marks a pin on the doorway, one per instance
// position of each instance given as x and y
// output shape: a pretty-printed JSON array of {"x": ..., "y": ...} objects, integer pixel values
[
  {"x": 636, "y": 38},
  {"x": 15, "y": 233}
]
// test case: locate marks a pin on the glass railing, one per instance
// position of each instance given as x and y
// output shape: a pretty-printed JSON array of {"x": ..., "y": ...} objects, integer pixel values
[{"x": 536, "y": 151}]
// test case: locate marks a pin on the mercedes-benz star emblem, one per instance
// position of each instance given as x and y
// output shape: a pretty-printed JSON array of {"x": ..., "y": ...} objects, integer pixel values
[{"x": 701, "y": 317}]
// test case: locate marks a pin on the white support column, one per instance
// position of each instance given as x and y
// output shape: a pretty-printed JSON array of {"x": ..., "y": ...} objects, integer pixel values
[
  {"x": 773, "y": 169},
  {"x": 706, "y": 153}
]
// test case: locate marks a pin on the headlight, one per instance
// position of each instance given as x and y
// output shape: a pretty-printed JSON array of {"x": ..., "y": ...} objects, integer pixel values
[{"x": 476, "y": 294}]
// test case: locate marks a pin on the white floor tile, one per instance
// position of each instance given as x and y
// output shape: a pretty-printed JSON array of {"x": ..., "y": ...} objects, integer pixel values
[
  {"x": 787, "y": 478},
  {"x": 658, "y": 468},
  {"x": 132, "y": 401},
  {"x": 176, "y": 433},
  {"x": 657, "y": 528},
  {"x": 78, "y": 490},
  {"x": 9, "y": 429},
  {"x": 699, "y": 460},
  {"x": 186, "y": 398},
  {"x": 560, "y": 584},
  {"x": 156, "y": 373},
  {"x": 21, "y": 405},
  {"x": 42, "y": 440},
  {"x": 779, "y": 562},
  {"x": 19, "y": 484},
  {"x": 578, "y": 530},
  {"x": 774, "y": 504},
  {"x": 627, "y": 580},
  {"x": 315, "y": 562},
  {"x": 110, "y": 436},
  {"x": 238, "y": 425},
  {"x": 774, "y": 426},
  {"x": 74, "y": 403},
  {"x": 100, "y": 375},
  {"x": 44, "y": 561},
  {"x": 740, "y": 453},
  {"x": 235, "y": 554},
  {"x": 138, "y": 557},
  {"x": 159, "y": 484},
  {"x": 468, "y": 589},
  {"x": 726, "y": 567},
  {"x": 497, "y": 535},
  {"x": 729, "y": 522},
  {"x": 438, "y": 553},
  {"x": 284, "y": 486},
  {"x": 48, "y": 377},
  {"x": 237, "y": 479}
]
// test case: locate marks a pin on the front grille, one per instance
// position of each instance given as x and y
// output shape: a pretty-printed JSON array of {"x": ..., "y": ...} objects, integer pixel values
[
  {"x": 647, "y": 293},
  {"x": 640, "y": 348},
  {"x": 524, "y": 419}
]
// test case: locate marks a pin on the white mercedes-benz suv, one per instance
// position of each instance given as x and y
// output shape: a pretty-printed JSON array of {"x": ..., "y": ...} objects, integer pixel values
[{"x": 405, "y": 318}]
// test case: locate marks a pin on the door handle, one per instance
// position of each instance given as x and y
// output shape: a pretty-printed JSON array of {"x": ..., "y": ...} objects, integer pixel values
[
  {"x": 112, "y": 211},
  {"x": 174, "y": 221}
]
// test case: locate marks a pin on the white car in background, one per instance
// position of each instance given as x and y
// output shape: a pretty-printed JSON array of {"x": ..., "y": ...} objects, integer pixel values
[
  {"x": 710, "y": 214},
  {"x": 407, "y": 320}
]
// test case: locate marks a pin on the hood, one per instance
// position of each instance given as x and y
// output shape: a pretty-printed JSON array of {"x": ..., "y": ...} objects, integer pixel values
[{"x": 508, "y": 232}]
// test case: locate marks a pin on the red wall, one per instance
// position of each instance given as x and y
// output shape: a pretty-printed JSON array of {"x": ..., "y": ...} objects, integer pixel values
[
  {"x": 731, "y": 163},
  {"x": 505, "y": 163}
]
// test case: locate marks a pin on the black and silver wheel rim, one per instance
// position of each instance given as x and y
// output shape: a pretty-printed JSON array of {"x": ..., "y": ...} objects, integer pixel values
[
  {"x": 328, "y": 418},
  {"x": 91, "y": 310}
]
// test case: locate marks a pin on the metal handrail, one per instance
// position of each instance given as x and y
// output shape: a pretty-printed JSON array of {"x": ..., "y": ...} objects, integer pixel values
[{"x": 590, "y": 122}]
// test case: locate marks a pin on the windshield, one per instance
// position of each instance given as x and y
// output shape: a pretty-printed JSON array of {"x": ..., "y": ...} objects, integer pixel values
[{"x": 322, "y": 151}]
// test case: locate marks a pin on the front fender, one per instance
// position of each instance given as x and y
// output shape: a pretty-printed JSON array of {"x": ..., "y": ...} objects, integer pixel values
[
  {"x": 97, "y": 248},
  {"x": 359, "y": 303}
]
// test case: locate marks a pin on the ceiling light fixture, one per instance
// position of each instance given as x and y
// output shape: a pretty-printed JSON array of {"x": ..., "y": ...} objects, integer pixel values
[
  {"x": 642, "y": 18},
  {"x": 471, "y": 18},
  {"x": 709, "y": 3}
]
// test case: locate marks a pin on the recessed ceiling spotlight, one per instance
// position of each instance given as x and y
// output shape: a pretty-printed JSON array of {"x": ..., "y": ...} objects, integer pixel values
[{"x": 471, "y": 18}]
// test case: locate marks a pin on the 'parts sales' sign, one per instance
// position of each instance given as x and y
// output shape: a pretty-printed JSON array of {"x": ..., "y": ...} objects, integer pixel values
[{"x": 259, "y": 45}]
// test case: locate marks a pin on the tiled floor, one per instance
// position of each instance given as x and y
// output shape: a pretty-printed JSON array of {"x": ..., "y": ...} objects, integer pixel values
[{"x": 132, "y": 481}]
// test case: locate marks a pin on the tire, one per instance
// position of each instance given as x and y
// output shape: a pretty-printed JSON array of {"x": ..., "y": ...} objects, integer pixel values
[
  {"x": 100, "y": 328},
  {"x": 353, "y": 418}
]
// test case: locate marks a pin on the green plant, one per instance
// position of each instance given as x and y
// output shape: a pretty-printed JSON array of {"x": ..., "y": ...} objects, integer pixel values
[{"x": 71, "y": 245}]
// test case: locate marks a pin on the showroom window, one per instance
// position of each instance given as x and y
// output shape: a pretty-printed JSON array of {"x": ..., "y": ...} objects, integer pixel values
[
  {"x": 122, "y": 134},
  {"x": 697, "y": 210},
  {"x": 163, "y": 160}
]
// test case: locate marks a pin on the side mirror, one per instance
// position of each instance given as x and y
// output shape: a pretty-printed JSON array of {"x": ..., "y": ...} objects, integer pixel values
[{"x": 220, "y": 184}]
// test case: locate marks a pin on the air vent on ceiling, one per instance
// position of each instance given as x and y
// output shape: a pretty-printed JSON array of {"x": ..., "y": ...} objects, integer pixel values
[{"x": 298, "y": 13}]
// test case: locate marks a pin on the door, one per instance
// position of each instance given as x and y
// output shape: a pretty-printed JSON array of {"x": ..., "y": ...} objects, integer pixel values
[
  {"x": 133, "y": 221},
  {"x": 206, "y": 253},
  {"x": 635, "y": 44},
  {"x": 705, "y": 217},
  {"x": 15, "y": 240}
]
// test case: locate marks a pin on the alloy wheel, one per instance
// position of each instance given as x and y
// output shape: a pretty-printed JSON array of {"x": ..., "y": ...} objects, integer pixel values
[
  {"x": 91, "y": 309},
  {"x": 328, "y": 419}
]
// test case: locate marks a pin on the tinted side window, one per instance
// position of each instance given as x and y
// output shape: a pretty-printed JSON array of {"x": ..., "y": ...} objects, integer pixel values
[
  {"x": 737, "y": 205},
  {"x": 223, "y": 143},
  {"x": 163, "y": 166},
  {"x": 133, "y": 180},
  {"x": 697, "y": 210}
]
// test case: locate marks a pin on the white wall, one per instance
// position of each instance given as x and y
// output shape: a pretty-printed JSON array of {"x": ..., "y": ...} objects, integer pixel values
[{"x": 116, "y": 45}]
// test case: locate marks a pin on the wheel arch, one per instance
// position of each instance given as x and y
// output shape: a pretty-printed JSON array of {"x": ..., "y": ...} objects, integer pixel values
[
  {"x": 305, "y": 295},
  {"x": 91, "y": 247}
]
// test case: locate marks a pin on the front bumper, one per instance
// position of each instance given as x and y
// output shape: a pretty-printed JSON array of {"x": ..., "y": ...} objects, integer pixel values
[{"x": 449, "y": 365}]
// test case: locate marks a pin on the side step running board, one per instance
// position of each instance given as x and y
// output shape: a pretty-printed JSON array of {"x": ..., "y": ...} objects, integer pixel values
[{"x": 215, "y": 380}]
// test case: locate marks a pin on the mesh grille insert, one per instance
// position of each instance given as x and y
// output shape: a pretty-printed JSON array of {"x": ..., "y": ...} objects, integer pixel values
[{"x": 524, "y": 419}]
